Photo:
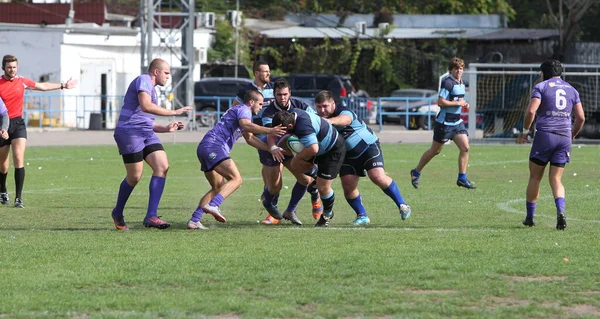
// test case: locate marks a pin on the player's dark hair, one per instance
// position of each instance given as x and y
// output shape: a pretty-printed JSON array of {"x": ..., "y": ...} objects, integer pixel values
[
  {"x": 251, "y": 95},
  {"x": 257, "y": 65},
  {"x": 284, "y": 118},
  {"x": 323, "y": 96},
  {"x": 551, "y": 68},
  {"x": 455, "y": 63},
  {"x": 281, "y": 83},
  {"x": 7, "y": 59}
]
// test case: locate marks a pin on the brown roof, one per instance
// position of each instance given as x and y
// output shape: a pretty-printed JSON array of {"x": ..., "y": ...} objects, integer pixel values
[{"x": 51, "y": 13}]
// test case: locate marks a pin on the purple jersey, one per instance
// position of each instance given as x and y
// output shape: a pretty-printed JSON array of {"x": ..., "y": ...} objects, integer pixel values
[
  {"x": 228, "y": 130},
  {"x": 132, "y": 116},
  {"x": 557, "y": 100}
]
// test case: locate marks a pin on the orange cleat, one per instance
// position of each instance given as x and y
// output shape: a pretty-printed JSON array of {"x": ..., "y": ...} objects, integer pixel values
[{"x": 270, "y": 221}]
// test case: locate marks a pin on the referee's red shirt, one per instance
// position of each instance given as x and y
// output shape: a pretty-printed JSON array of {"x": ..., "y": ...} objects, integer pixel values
[{"x": 12, "y": 94}]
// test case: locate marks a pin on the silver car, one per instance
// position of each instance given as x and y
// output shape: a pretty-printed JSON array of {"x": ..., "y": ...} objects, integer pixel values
[{"x": 421, "y": 103}]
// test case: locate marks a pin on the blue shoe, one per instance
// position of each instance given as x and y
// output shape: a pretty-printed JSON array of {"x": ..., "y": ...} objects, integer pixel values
[
  {"x": 414, "y": 178},
  {"x": 404, "y": 211},
  {"x": 361, "y": 220},
  {"x": 465, "y": 183},
  {"x": 272, "y": 210}
]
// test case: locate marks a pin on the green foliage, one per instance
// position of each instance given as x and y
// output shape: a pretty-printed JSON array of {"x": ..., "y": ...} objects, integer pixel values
[{"x": 223, "y": 48}]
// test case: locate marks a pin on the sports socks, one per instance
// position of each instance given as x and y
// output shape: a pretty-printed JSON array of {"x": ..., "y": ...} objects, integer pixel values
[
  {"x": 357, "y": 205},
  {"x": 328, "y": 201},
  {"x": 217, "y": 200},
  {"x": 157, "y": 185},
  {"x": 462, "y": 176},
  {"x": 124, "y": 192},
  {"x": 197, "y": 215},
  {"x": 530, "y": 209},
  {"x": 560, "y": 204},
  {"x": 297, "y": 193},
  {"x": 19, "y": 180},
  {"x": 3, "y": 182},
  {"x": 314, "y": 192},
  {"x": 394, "y": 193}
]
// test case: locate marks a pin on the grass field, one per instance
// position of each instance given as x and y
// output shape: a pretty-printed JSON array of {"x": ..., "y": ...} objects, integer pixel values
[{"x": 462, "y": 254}]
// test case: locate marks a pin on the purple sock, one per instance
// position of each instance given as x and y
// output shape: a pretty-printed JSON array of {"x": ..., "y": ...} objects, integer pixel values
[
  {"x": 157, "y": 185},
  {"x": 197, "y": 215},
  {"x": 124, "y": 192},
  {"x": 275, "y": 200},
  {"x": 560, "y": 204},
  {"x": 297, "y": 193},
  {"x": 268, "y": 197},
  {"x": 530, "y": 209},
  {"x": 217, "y": 200}
]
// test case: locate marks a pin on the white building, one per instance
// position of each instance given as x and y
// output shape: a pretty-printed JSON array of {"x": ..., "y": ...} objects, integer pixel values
[{"x": 103, "y": 59}]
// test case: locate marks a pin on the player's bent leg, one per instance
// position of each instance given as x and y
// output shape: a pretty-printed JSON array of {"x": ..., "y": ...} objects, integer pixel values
[
  {"x": 462, "y": 142},
  {"x": 428, "y": 155},
  {"x": 272, "y": 175},
  {"x": 156, "y": 157},
  {"x": 328, "y": 198},
  {"x": 231, "y": 174}
]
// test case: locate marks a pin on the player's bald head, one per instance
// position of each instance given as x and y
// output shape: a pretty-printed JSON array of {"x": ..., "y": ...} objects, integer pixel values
[{"x": 157, "y": 64}]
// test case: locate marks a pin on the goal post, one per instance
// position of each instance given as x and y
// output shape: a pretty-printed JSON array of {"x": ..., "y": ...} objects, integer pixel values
[{"x": 498, "y": 95}]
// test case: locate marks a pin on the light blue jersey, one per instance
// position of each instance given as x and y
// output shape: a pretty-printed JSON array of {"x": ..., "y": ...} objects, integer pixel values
[{"x": 454, "y": 91}]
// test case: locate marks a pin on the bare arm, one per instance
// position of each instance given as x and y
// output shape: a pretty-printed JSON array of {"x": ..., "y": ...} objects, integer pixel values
[
  {"x": 255, "y": 141},
  {"x": 579, "y": 119},
  {"x": 303, "y": 161},
  {"x": 49, "y": 86},
  {"x": 534, "y": 104},
  {"x": 248, "y": 126},
  {"x": 149, "y": 107},
  {"x": 340, "y": 120}
]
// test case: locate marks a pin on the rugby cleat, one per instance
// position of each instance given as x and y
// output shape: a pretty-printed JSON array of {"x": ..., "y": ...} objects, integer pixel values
[
  {"x": 270, "y": 221},
  {"x": 156, "y": 222},
  {"x": 324, "y": 219},
  {"x": 215, "y": 211},
  {"x": 414, "y": 178},
  {"x": 361, "y": 220},
  {"x": 272, "y": 210},
  {"x": 291, "y": 216},
  {"x": 195, "y": 225},
  {"x": 4, "y": 200},
  {"x": 19, "y": 203},
  {"x": 529, "y": 222},
  {"x": 405, "y": 211},
  {"x": 465, "y": 183},
  {"x": 120, "y": 222},
  {"x": 561, "y": 221}
]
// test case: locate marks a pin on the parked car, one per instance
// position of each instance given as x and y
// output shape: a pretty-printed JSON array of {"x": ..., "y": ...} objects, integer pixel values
[
  {"x": 206, "y": 92},
  {"x": 422, "y": 101}
]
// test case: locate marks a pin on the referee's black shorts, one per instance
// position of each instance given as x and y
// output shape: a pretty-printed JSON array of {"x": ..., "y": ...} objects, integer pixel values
[{"x": 16, "y": 129}]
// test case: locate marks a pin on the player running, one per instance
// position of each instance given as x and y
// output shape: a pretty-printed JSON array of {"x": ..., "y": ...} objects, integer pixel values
[{"x": 363, "y": 157}]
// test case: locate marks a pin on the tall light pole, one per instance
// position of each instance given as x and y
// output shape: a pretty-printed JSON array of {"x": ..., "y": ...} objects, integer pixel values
[{"x": 237, "y": 36}]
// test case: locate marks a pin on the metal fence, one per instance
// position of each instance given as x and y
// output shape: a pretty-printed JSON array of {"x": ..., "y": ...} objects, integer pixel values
[{"x": 102, "y": 112}]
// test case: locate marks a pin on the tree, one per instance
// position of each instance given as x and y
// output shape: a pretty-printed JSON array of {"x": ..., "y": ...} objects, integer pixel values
[{"x": 567, "y": 23}]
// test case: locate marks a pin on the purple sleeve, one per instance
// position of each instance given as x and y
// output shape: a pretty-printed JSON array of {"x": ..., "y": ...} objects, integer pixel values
[
  {"x": 576, "y": 97},
  {"x": 244, "y": 112},
  {"x": 143, "y": 86},
  {"x": 537, "y": 91}
]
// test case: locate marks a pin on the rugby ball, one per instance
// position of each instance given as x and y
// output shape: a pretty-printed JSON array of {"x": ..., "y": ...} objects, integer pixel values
[{"x": 294, "y": 145}]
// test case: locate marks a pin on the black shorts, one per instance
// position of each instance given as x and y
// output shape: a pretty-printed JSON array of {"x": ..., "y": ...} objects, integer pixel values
[
  {"x": 16, "y": 129},
  {"x": 141, "y": 155},
  {"x": 329, "y": 164},
  {"x": 371, "y": 158},
  {"x": 443, "y": 133}
]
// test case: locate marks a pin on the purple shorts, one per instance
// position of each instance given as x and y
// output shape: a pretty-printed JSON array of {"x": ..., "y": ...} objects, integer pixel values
[
  {"x": 550, "y": 147},
  {"x": 210, "y": 155},
  {"x": 266, "y": 158},
  {"x": 134, "y": 142}
]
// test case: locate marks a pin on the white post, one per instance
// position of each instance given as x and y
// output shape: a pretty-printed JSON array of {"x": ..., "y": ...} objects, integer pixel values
[{"x": 472, "y": 101}]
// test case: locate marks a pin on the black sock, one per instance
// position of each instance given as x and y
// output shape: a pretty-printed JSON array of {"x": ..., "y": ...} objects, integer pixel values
[
  {"x": 3, "y": 182},
  {"x": 19, "y": 180},
  {"x": 328, "y": 203}
]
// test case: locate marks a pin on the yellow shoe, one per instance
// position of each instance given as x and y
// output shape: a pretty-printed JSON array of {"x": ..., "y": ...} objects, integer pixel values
[
  {"x": 317, "y": 209},
  {"x": 270, "y": 221}
]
